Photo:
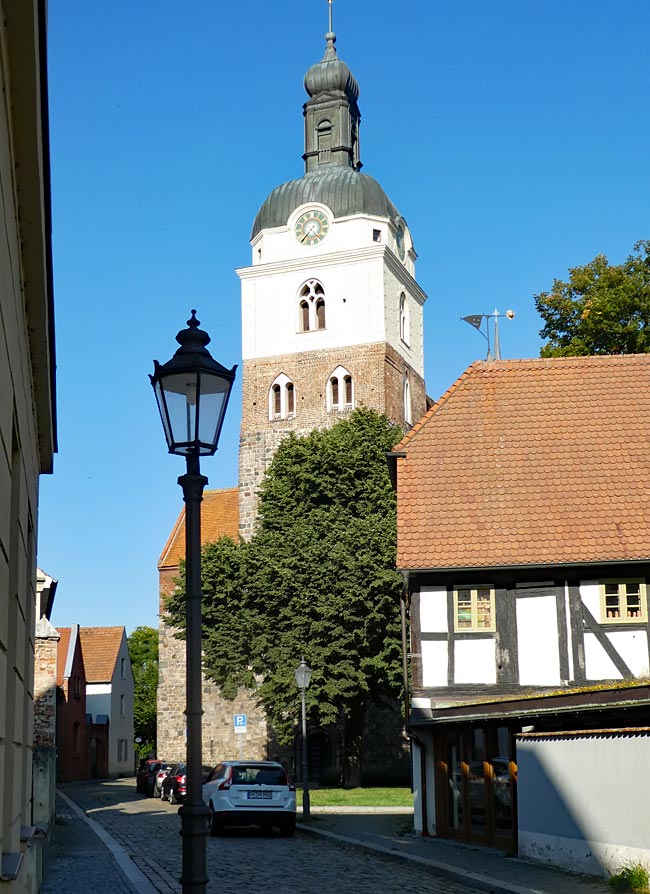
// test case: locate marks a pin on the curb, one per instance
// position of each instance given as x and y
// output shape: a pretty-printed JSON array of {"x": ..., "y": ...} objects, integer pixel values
[{"x": 484, "y": 882}]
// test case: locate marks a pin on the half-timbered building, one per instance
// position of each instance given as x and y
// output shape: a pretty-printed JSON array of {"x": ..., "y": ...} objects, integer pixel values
[{"x": 524, "y": 541}]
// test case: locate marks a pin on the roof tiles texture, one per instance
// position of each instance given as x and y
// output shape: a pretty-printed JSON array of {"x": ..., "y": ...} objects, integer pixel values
[
  {"x": 219, "y": 518},
  {"x": 100, "y": 647},
  {"x": 528, "y": 462}
]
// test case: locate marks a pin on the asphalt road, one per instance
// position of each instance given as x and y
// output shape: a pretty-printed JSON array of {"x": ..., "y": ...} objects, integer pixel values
[{"x": 241, "y": 862}]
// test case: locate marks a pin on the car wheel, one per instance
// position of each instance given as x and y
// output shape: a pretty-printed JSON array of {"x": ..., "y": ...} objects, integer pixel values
[{"x": 288, "y": 827}]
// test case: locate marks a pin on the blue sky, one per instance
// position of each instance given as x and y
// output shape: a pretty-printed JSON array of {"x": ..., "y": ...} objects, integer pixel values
[{"x": 512, "y": 136}]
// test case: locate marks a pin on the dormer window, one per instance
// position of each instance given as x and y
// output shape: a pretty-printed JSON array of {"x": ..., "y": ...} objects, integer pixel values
[
  {"x": 282, "y": 399},
  {"x": 311, "y": 308},
  {"x": 340, "y": 391}
]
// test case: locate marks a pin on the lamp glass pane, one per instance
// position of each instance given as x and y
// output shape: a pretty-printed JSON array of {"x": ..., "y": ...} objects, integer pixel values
[
  {"x": 213, "y": 394},
  {"x": 180, "y": 397}
]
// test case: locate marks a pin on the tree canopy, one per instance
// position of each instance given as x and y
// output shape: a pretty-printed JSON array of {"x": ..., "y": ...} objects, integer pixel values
[
  {"x": 317, "y": 579},
  {"x": 143, "y": 651},
  {"x": 603, "y": 308}
]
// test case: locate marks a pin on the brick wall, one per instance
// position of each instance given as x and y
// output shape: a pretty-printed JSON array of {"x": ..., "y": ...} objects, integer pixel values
[{"x": 45, "y": 691}]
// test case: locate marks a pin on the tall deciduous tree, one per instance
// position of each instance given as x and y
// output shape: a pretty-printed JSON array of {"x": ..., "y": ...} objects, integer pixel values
[
  {"x": 143, "y": 651},
  {"x": 602, "y": 309},
  {"x": 317, "y": 579}
]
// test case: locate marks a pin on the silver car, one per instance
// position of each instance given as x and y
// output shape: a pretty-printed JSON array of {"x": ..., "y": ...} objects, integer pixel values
[{"x": 245, "y": 793}]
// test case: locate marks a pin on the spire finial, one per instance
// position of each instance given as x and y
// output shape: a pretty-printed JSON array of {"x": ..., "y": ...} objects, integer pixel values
[{"x": 329, "y": 3}]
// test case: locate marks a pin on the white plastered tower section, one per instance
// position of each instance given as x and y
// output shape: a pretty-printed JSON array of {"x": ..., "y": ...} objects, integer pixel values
[{"x": 332, "y": 316}]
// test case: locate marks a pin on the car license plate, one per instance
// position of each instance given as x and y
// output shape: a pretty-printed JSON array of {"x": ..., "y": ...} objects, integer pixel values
[{"x": 266, "y": 796}]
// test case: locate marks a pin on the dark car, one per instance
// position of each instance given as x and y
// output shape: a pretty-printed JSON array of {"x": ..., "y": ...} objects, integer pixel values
[
  {"x": 174, "y": 785},
  {"x": 145, "y": 779}
]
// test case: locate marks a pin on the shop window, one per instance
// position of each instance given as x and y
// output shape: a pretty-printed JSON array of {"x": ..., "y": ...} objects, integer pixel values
[
  {"x": 474, "y": 609},
  {"x": 623, "y": 601}
]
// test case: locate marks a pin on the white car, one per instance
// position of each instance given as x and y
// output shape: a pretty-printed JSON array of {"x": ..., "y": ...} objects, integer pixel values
[{"x": 245, "y": 793}]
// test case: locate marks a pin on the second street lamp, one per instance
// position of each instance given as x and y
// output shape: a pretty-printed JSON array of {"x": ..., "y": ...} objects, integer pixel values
[
  {"x": 192, "y": 391},
  {"x": 303, "y": 676}
]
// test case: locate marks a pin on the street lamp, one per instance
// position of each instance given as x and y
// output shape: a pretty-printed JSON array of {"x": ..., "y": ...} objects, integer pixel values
[
  {"x": 192, "y": 392},
  {"x": 303, "y": 676}
]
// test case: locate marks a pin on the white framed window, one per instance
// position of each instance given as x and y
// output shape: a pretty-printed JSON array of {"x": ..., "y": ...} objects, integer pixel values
[
  {"x": 474, "y": 609},
  {"x": 404, "y": 320},
  {"x": 340, "y": 390},
  {"x": 282, "y": 398},
  {"x": 623, "y": 601},
  {"x": 408, "y": 406},
  {"x": 311, "y": 306}
]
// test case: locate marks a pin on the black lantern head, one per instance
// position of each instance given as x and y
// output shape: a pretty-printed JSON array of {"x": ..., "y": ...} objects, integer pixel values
[{"x": 192, "y": 391}]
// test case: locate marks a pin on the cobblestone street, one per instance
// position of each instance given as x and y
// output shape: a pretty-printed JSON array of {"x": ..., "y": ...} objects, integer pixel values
[{"x": 245, "y": 862}]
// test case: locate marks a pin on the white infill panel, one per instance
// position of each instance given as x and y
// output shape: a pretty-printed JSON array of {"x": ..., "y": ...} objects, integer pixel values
[
  {"x": 433, "y": 610},
  {"x": 537, "y": 637},
  {"x": 475, "y": 661},
  {"x": 598, "y": 664},
  {"x": 434, "y": 663}
]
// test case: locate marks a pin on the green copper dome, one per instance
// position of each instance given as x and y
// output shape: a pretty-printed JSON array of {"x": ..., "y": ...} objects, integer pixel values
[{"x": 344, "y": 191}]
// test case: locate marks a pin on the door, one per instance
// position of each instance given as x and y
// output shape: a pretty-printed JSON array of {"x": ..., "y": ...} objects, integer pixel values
[{"x": 475, "y": 785}]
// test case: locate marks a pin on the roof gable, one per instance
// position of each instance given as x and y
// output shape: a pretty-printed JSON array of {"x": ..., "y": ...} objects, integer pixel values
[
  {"x": 100, "y": 647},
  {"x": 219, "y": 518},
  {"x": 530, "y": 462}
]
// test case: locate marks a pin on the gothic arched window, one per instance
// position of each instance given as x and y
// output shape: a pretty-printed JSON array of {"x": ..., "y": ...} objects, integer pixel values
[
  {"x": 408, "y": 411},
  {"x": 282, "y": 399},
  {"x": 311, "y": 306},
  {"x": 404, "y": 324},
  {"x": 340, "y": 390}
]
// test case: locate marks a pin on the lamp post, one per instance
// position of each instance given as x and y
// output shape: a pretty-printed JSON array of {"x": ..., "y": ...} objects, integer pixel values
[
  {"x": 192, "y": 392},
  {"x": 303, "y": 676}
]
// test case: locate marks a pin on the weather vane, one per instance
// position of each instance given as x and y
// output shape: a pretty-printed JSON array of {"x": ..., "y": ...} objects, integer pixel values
[{"x": 476, "y": 320}]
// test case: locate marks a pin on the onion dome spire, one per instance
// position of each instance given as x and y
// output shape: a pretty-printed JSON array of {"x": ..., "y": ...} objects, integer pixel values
[{"x": 332, "y": 115}]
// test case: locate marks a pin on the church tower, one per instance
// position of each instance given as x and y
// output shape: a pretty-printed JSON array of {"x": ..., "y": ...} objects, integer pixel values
[{"x": 331, "y": 311}]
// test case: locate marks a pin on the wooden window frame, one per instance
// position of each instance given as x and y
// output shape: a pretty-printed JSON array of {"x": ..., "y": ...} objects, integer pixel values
[
  {"x": 474, "y": 628},
  {"x": 622, "y": 583}
]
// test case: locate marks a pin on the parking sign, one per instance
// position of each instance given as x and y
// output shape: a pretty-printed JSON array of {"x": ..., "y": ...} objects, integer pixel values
[{"x": 240, "y": 723}]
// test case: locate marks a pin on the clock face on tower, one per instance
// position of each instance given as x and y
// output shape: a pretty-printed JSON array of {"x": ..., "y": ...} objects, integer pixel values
[{"x": 311, "y": 227}]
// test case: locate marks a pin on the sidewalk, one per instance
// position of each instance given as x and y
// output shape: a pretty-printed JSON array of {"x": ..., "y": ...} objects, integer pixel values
[
  {"x": 389, "y": 832},
  {"x": 80, "y": 857}
]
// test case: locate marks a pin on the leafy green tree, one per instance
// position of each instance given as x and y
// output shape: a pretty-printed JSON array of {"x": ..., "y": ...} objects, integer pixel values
[
  {"x": 317, "y": 579},
  {"x": 143, "y": 651},
  {"x": 602, "y": 309}
]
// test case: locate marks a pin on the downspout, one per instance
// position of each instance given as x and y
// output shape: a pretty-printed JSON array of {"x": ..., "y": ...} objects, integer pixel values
[{"x": 407, "y": 707}]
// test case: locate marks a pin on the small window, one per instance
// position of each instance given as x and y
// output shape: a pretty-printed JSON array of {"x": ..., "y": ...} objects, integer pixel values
[
  {"x": 122, "y": 705},
  {"x": 376, "y": 235},
  {"x": 347, "y": 381},
  {"x": 77, "y": 687},
  {"x": 123, "y": 668},
  {"x": 473, "y": 609},
  {"x": 122, "y": 750},
  {"x": 404, "y": 323},
  {"x": 282, "y": 399},
  {"x": 408, "y": 409},
  {"x": 334, "y": 385},
  {"x": 623, "y": 602},
  {"x": 311, "y": 306}
]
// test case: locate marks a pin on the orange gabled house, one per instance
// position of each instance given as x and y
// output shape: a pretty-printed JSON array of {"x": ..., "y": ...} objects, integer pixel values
[{"x": 523, "y": 534}]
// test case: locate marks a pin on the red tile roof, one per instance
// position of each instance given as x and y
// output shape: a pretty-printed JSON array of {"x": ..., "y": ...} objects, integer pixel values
[
  {"x": 527, "y": 462},
  {"x": 100, "y": 647},
  {"x": 219, "y": 518},
  {"x": 62, "y": 653}
]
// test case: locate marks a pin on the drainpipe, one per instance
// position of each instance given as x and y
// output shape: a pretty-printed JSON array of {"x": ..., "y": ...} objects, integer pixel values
[{"x": 407, "y": 707}]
